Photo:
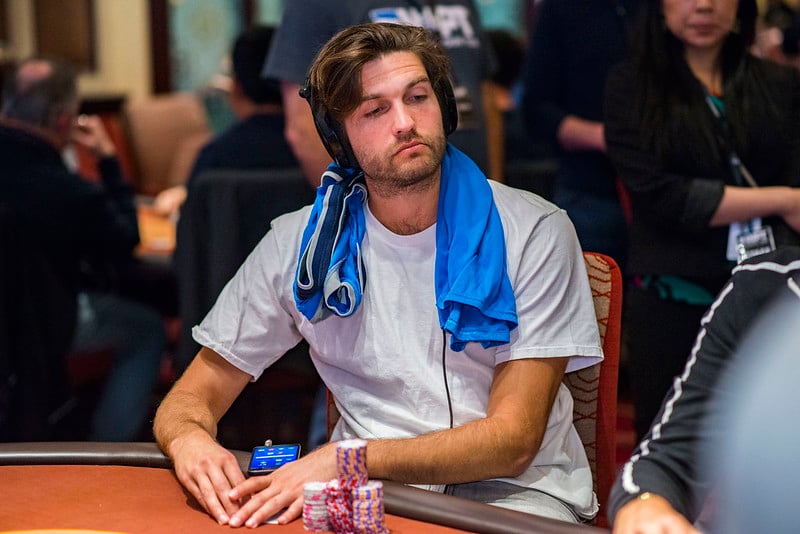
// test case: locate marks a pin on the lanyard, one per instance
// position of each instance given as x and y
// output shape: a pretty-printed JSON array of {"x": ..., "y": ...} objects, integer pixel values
[{"x": 740, "y": 173}]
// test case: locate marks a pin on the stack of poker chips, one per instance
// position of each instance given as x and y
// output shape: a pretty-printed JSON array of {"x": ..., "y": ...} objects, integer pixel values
[
  {"x": 368, "y": 516},
  {"x": 315, "y": 511},
  {"x": 353, "y": 503}
]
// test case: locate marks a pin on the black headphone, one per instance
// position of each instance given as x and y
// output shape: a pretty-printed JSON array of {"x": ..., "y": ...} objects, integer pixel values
[{"x": 332, "y": 132}]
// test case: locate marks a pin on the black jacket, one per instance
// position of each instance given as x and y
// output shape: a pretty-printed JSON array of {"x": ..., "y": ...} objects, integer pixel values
[
  {"x": 51, "y": 223},
  {"x": 674, "y": 198},
  {"x": 667, "y": 461}
]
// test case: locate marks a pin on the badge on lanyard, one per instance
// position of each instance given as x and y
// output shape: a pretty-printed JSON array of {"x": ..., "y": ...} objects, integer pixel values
[{"x": 746, "y": 240}]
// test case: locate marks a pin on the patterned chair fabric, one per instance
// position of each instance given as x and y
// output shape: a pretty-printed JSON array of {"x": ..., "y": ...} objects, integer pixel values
[{"x": 594, "y": 389}]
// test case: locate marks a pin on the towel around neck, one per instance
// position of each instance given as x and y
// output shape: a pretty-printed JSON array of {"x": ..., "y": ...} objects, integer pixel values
[{"x": 474, "y": 297}]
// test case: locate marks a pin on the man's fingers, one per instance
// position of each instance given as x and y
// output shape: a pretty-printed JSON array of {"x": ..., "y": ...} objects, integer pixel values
[
  {"x": 211, "y": 501},
  {"x": 292, "y": 512},
  {"x": 221, "y": 485},
  {"x": 233, "y": 473},
  {"x": 260, "y": 507}
]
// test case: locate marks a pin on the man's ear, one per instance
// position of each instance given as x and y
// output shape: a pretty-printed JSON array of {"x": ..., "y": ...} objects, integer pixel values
[
  {"x": 62, "y": 125},
  {"x": 63, "y": 121},
  {"x": 236, "y": 93},
  {"x": 241, "y": 105}
]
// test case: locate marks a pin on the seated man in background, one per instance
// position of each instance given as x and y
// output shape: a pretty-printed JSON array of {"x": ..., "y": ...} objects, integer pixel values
[
  {"x": 661, "y": 488},
  {"x": 461, "y": 304},
  {"x": 256, "y": 140},
  {"x": 78, "y": 224}
]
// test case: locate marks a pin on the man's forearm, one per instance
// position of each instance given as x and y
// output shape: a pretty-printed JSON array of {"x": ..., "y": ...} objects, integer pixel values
[
  {"x": 178, "y": 416},
  {"x": 199, "y": 399},
  {"x": 575, "y": 133},
  {"x": 479, "y": 450}
]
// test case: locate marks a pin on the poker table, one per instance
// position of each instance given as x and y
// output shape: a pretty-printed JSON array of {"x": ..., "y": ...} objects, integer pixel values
[{"x": 82, "y": 487}]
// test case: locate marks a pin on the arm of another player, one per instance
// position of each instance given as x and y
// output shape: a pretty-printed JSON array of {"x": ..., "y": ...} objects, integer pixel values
[
  {"x": 495, "y": 134},
  {"x": 651, "y": 514}
]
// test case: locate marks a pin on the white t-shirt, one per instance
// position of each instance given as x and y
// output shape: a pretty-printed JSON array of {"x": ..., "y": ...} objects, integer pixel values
[{"x": 383, "y": 364}]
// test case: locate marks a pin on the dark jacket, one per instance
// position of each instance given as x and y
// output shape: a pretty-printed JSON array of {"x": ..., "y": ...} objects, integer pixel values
[
  {"x": 667, "y": 461},
  {"x": 53, "y": 223},
  {"x": 674, "y": 198}
]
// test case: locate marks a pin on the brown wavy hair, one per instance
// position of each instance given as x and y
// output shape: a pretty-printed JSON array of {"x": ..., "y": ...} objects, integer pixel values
[{"x": 335, "y": 75}]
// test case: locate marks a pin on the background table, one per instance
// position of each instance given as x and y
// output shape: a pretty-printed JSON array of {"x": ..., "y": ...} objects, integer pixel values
[{"x": 128, "y": 487}]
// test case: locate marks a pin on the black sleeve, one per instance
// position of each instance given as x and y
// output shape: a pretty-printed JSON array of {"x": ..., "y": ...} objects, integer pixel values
[
  {"x": 792, "y": 117},
  {"x": 659, "y": 196},
  {"x": 110, "y": 229},
  {"x": 666, "y": 462}
]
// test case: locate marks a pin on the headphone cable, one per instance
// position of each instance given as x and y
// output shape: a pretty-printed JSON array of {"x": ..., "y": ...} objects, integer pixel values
[{"x": 444, "y": 374}]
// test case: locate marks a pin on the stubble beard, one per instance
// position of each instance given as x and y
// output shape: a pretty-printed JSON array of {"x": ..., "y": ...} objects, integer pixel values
[{"x": 418, "y": 174}]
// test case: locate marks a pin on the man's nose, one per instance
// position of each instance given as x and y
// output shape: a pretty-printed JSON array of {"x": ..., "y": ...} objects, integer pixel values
[
  {"x": 704, "y": 5},
  {"x": 403, "y": 120}
]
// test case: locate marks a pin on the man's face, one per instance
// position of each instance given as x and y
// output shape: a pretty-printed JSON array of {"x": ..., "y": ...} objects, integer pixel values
[{"x": 396, "y": 132}]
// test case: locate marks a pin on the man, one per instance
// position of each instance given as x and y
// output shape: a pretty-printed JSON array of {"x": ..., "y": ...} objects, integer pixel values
[
  {"x": 451, "y": 309},
  {"x": 306, "y": 26},
  {"x": 755, "y": 455},
  {"x": 572, "y": 48},
  {"x": 77, "y": 223},
  {"x": 256, "y": 140},
  {"x": 662, "y": 488}
]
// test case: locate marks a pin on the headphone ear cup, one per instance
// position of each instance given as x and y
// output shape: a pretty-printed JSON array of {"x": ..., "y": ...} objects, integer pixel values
[
  {"x": 330, "y": 131},
  {"x": 447, "y": 101}
]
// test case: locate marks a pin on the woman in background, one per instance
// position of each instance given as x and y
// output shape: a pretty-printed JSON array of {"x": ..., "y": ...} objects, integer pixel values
[{"x": 706, "y": 138}]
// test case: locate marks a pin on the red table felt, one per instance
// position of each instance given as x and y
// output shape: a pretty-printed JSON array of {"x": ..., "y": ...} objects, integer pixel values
[{"x": 122, "y": 499}]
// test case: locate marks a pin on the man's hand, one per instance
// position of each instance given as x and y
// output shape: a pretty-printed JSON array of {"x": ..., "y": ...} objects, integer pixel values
[
  {"x": 186, "y": 422},
  {"x": 577, "y": 134},
  {"x": 208, "y": 471},
  {"x": 169, "y": 201},
  {"x": 651, "y": 515},
  {"x": 267, "y": 495},
  {"x": 90, "y": 133},
  {"x": 791, "y": 213}
]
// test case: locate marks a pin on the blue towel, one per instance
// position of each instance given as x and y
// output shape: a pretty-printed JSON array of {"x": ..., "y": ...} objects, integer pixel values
[
  {"x": 330, "y": 263},
  {"x": 474, "y": 297}
]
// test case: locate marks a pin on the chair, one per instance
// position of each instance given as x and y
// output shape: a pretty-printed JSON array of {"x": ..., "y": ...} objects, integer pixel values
[
  {"x": 165, "y": 130},
  {"x": 37, "y": 318},
  {"x": 594, "y": 389},
  {"x": 226, "y": 214}
]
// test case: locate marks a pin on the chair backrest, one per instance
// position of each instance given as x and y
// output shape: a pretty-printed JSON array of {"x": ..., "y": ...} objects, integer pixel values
[
  {"x": 594, "y": 389},
  {"x": 37, "y": 320},
  {"x": 226, "y": 214},
  {"x": 158, "y": 127}
]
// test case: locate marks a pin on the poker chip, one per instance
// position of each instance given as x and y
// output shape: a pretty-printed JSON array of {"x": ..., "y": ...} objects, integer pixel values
[
  {"x": 340, "y": 507},
  {"x": 351, "y": 462},
  {"x": 349, "y": 504},
  {"x": 315, "y": 511},
  {"x": 368, "y": 514}
]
